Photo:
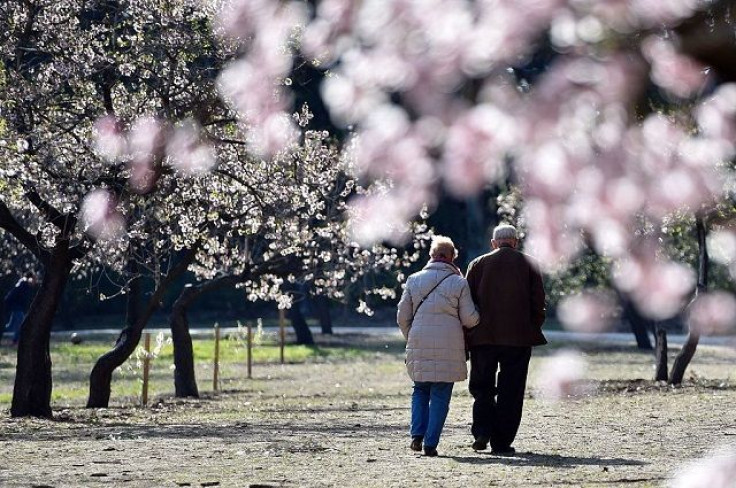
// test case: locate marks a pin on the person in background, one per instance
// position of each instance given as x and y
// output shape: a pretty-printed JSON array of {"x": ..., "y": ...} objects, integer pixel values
[
  {"x": 507, "y": 288},
  {"x": 434, "y": 308},
  {"x": 16, "y": 303}
]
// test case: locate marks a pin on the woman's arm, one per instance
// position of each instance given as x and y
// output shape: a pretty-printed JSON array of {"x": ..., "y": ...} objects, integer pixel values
[
  {"x": 467, "y": 312},
  {"x": 405, "y": 311}
]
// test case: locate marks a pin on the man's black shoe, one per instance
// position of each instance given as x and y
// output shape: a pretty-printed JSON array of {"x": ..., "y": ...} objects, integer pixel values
[
  {"x": 505, "y": 451},
  {"x": 480, "y": 444},
  {"x": 430, "y": 451},
  {"x": 416, "y": 443}
]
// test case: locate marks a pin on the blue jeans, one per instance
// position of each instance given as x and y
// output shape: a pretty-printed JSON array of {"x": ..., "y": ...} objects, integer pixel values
[
  {"x": 13, "y": 325},
  {"x": 430, "y": 403}
]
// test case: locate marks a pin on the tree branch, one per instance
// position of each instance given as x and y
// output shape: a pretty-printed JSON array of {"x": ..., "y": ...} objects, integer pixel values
[
  {"x": 11, "y": 225},
  {"x": 63, "y": 222}
]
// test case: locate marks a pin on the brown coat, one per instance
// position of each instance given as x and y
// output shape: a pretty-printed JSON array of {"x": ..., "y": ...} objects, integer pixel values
[{"x": 508, "y": 291}]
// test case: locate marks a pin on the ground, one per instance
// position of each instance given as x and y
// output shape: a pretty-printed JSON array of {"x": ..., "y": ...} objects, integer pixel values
[{"x": 338, "y": 417}]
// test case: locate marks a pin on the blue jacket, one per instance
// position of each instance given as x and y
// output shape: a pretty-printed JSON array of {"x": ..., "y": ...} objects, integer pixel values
[{"x": 19, "y": 297}]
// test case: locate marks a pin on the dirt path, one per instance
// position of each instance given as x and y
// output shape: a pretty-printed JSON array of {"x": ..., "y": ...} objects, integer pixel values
[{"x": 345, "y": 425}]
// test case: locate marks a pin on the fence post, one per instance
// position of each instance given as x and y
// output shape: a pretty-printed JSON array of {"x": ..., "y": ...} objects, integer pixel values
[
  {"x": 282, "y": 333},
  {"x": 216, "y": 366},
  {"x": 250, "y": 350},
  {"x": 146, "y": 369}
]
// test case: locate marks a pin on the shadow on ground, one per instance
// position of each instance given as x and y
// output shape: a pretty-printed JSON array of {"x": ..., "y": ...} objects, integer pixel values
[{"x": 549, "y": 460}]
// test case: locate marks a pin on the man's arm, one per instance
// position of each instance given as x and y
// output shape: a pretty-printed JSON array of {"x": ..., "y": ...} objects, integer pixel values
[
  {"x": 538, "y": 308},
  {"x": 473, "y": 278}
]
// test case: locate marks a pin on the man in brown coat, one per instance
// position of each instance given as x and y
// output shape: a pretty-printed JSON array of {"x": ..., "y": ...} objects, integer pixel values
[{"x": 508, "y": 291}]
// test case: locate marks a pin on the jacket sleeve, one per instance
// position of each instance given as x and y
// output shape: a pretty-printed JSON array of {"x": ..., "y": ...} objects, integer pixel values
[
  {"x": 538, "y": 309},
  {"x": 406, "y": 308},
  {"x": 467, "y": 312},
  {"x": 473, "y": 278},
  {"x": 11, "y": 297}
]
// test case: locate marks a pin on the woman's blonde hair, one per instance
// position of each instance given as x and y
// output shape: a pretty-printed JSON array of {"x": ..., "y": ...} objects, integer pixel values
[{"x": 442, "y": 247}]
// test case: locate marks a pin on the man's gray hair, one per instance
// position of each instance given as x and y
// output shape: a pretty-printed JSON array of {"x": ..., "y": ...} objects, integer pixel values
[{"x": 504, "y": 232}]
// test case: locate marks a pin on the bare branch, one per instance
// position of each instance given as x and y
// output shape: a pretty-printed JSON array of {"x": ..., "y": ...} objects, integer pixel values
[{"x": 11, "y": 225}]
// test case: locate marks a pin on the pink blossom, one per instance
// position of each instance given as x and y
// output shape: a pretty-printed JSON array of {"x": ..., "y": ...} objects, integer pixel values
[
  {"x": 677, "y": 73},
  {"x": 350, "y": 101},
  {"x": 588, "y": 311},
  {"x": 561, "y": 376},
  {"x": 475, "y": 149},
  {"x": 713, "y": 313},
  {"x": 716, "y": 470},
  {"x": 389, "y": 146},
  {"x": 241, "y": 18},
  {"x": 549, "y": 240},
  {"x": 252, "y": 83},
  {"x": 100, "y": 216},
  {"x": 628, "y": 15},
  {"x": 187, "y": 152},
  {"x": 109, "y": 139},
  {"x": 649, "y": 13},
  {"x": 377, "y": 217},
  {"x": 273, "y": 134},
  {"x": 327, "y": 36},
  {"x": 253, "y": 92},
  {"x": 722, "y": 246},
  {"x": 427, "y": 98},
  {"x": 146, "y": 145},
  {"x": 716, "y": 118},
  {"x": 659, "y": 288}
]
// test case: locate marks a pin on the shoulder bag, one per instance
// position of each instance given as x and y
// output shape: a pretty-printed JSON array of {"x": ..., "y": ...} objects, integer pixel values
[{"x": 427, "y": 295}]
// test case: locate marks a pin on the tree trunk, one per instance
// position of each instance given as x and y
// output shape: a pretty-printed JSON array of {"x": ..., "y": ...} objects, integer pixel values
[
  {"x": 640, "y": 326},
  {"x": 135, "y": 294},
  {"x": 322, "y": 307},
  {"x": 185, "y": 381},
  {"x": 683, "y": 358},
  {"x": 661, "y": 354},
  {"x": 303, "y": 334},
  {"x": 100, "y": 379},
  {"x": 33, "y": 382},
  {"x": 691, "y": 344}
]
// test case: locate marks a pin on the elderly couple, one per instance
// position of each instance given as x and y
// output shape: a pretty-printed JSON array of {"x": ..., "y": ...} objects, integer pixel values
[{"x": 500, "y": 304}]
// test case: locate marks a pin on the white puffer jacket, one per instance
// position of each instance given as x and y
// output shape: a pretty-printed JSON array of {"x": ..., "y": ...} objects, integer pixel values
[{"x": 435, "y": 348}]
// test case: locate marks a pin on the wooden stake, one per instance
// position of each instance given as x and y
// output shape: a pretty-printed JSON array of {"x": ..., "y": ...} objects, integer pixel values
[
  {"x": 282, "y": 333},
  {"x": 250, "y": 350},
  {"x": 146, "y": 369},
  {"x": 216, "y": 366}
]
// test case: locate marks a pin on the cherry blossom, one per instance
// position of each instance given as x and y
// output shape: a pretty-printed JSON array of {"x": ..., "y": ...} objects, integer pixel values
[
  {"x": 561, "y": 376},
  {"x": 587, "y": 312},
  {"x": 716, "y": 470},
  {"x": 713, "y": 313},
  {"x": 100, "y": 215}
]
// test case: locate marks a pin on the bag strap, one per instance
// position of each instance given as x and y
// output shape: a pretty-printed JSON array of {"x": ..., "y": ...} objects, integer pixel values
[{"x": 427, "y": 295}]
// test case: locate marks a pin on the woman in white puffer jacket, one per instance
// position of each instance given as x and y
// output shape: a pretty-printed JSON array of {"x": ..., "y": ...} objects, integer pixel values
[{"x": 434, "y": 307}]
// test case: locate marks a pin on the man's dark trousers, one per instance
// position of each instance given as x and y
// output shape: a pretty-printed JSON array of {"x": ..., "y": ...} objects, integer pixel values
[{"x": 498, "y": 404}]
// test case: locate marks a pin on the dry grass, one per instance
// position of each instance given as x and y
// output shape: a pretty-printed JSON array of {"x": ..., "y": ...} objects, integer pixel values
[{"x": 343, "y": 422}]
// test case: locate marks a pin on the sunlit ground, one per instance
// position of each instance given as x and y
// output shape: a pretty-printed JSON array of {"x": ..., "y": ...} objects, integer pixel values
[{"x": 337, "y": 416}]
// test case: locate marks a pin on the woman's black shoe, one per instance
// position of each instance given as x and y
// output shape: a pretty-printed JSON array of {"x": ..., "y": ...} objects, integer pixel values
[
  {"x": 416, "y": 443},
  {"x": 430, "y": 451}
]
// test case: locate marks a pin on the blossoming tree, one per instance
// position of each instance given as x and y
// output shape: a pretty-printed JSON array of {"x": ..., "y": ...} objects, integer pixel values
[{"x": 449, "y": 99}]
